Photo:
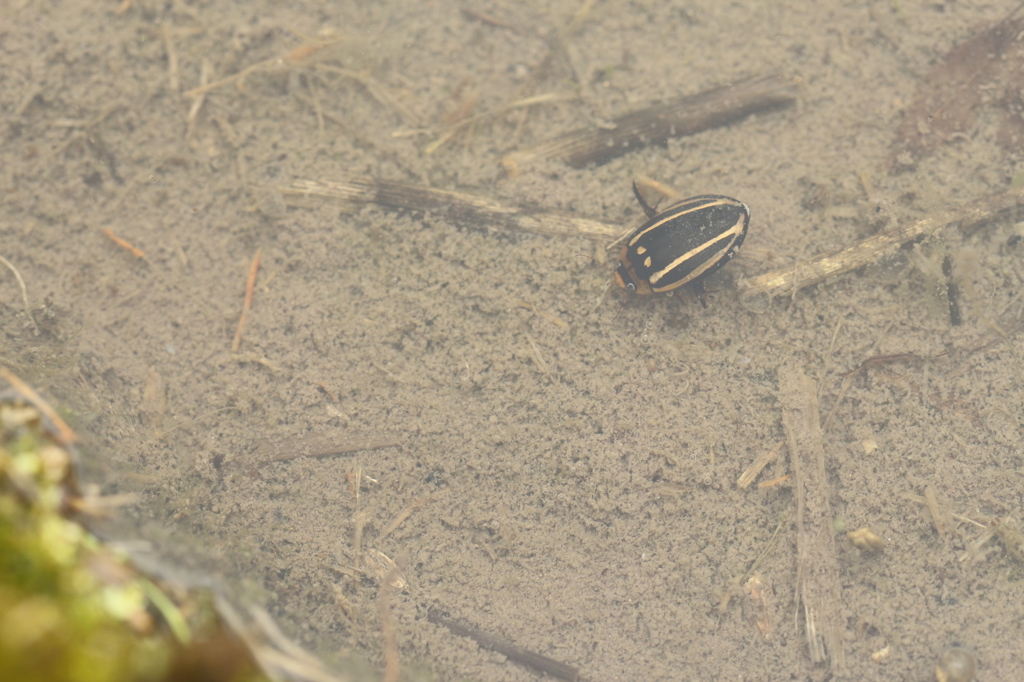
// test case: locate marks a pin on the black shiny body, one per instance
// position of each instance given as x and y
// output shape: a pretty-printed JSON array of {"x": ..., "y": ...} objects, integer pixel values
[{"x": 682, "y": 244}]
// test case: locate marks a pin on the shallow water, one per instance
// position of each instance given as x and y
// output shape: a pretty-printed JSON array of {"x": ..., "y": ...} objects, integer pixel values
[{"x": 570, "y": 455}]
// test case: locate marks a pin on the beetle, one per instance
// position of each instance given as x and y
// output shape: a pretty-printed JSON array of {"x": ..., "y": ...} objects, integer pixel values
[{"x": 682, "y": 244}]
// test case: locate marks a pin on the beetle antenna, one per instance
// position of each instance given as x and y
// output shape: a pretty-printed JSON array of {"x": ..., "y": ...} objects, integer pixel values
[
  {"x": 651, "y": 212},
  {"x": 702, "y": 293}
]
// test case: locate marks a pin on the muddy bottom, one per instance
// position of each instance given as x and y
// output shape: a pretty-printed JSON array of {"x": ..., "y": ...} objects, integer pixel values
[{"x": 545, "y": 460}]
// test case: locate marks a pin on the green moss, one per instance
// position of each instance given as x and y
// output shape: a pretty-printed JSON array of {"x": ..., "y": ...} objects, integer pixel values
[{"x": 69, "y": 609}]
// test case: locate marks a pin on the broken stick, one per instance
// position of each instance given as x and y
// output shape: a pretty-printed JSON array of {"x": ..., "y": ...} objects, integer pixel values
[
  {"x": 656, "y": 124},
  {"x": 789, "y": 280},
  {"x": 817, "y": 562},
  {"x": 250, "y": 285},
  {"x": 316, "y": 446},
  {"x": 485, "y": 640},
  {"x": 462, "y": 209}
]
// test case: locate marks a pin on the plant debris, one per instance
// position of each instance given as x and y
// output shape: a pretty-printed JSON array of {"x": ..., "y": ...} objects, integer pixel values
[{"x": 986, "y": 71}]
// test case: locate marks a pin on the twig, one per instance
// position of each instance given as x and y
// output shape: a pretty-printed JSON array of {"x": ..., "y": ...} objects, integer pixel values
[
  {"x": 789, "y": 280},
  {"x": 138, "y": 253},
  {"x": 537, "y": 357},
  {"x": 492, "y": 643},
  {"x": 402, "y": 516},
  {"x": 205, "y": 74},
  {"x": 759, "y": 463},
  {"x": 392, "y": 666},
  {"x": 250, "y": 284},
  {"x": 938, "y": 515},
  {"x": 173, "y": 73},
  {"x": 959, "y": 517},
  {"x": 293, "y": 58},
  {"x": 463, "y": 209},
  {"x": 316, "y": 447},
  {"x": 818, "y": 587},
  {"x": 654, "y": 125},
  {"x": 879, "y": 360},
  {"x": 24, "y": 291},
  {"x": 64, "y": 435},
  {"x": 359, "y": 521}
]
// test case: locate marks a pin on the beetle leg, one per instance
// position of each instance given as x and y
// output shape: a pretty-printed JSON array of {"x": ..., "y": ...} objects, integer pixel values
[
  {"x": 702, "y": 293},
  {"x": 651, "y": 212}
]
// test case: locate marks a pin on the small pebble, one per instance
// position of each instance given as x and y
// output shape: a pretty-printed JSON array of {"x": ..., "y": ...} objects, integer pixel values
[
  {"x": 866, "y": 539},
  {"x": 955, "y": 665}
]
